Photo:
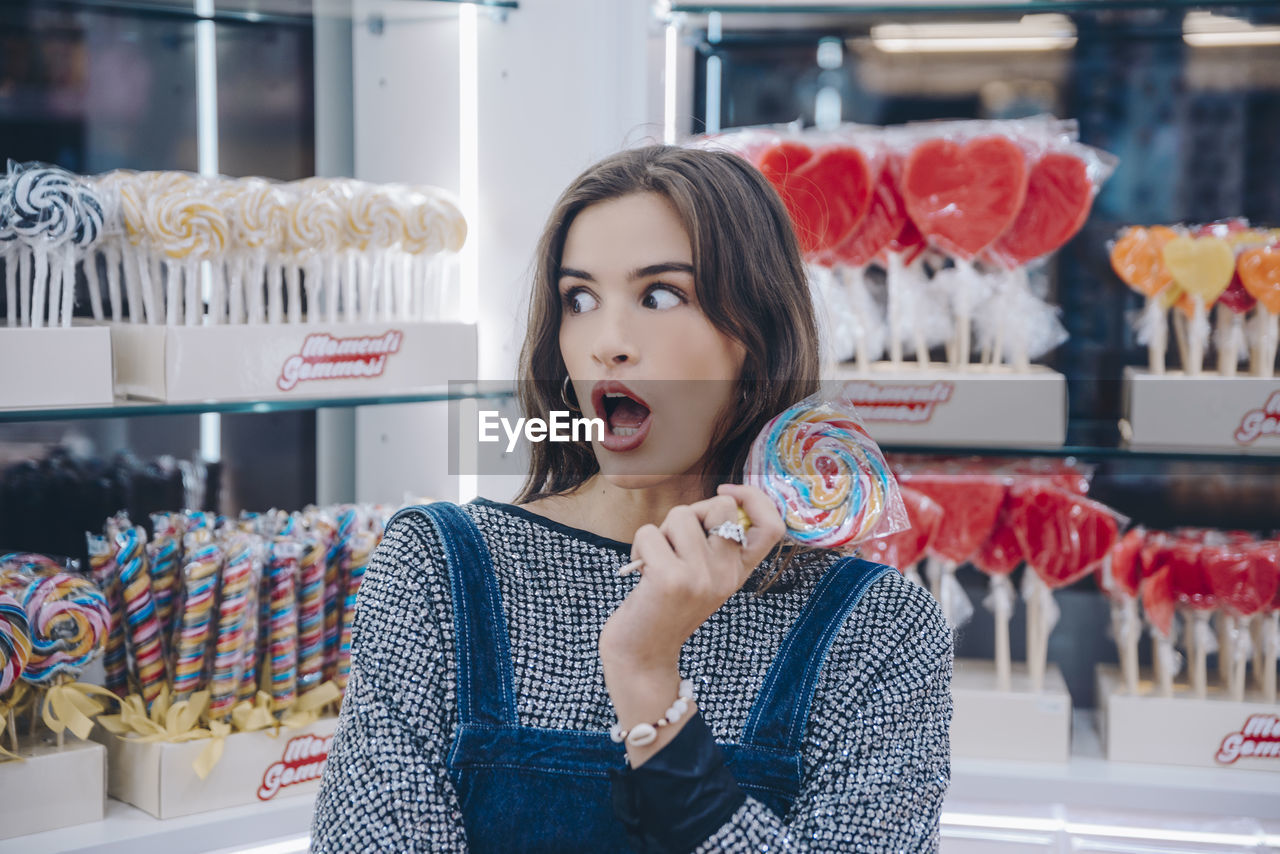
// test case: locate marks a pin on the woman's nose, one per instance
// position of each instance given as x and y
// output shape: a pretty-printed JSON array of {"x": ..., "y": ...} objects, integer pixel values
[{"x": 615, "y": 344}]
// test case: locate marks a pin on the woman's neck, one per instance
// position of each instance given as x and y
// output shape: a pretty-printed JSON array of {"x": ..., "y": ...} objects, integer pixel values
[{"x": 614, "y": 512}]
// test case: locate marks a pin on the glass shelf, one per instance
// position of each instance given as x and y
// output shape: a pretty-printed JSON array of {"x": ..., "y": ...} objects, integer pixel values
[
  {"x": 238, "y": 11},
  {"x": 1095, "y": 453},
  {"x": 138, "y": 408},
  {"x": 934, "y": 7}
]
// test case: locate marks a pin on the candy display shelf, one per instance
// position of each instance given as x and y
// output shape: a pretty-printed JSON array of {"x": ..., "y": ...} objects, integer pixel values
[
  {"x": 936, "y": 7},
  {"x": 247, "y": 11},
  {"x": 1086, "y": 803},
  {"x": 132, "y": 408}
]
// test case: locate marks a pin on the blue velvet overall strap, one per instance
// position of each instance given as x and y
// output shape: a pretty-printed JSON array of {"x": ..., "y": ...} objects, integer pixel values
[
  {"x": 777, "y": 719},
  {"x": 485, "y": 677}
]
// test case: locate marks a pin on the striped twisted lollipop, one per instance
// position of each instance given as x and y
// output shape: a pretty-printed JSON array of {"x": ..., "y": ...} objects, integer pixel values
[
  {"x": 15, "y": 641},
  {"x": 825, "y": 474},
  {"x": 140, "y": 612},
  {"x": 356, "y": 558},
  {"x": 69, "y": 625}
]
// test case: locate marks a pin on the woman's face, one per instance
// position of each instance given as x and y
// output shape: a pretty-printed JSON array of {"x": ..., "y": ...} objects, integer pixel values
[{"x": 640, "y": 352}]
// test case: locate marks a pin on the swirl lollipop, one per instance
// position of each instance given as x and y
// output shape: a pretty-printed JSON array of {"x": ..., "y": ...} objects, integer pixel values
[
  {"x": 188, "y": 227},
  {"x": 15, "y": 641},
  {"x": 69, "y": 625},
  {"x": 258, "y": 212},
  {"x": 41, "y": 207},
  {"x": 433, "y": 225},
  {"x": 825, "y": 474},
  {"x": 315, "y": 236},
  {"x": 376, "y": 220}
]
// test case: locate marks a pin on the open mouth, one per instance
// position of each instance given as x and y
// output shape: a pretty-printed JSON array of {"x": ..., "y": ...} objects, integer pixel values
[{"x": 626, "y": 415}]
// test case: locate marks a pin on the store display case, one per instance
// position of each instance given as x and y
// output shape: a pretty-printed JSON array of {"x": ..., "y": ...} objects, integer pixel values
[{"x": 1185, "y": 94}]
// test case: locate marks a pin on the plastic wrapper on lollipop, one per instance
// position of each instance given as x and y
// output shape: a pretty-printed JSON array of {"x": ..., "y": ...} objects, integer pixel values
[{"x": 826, "y": 475}]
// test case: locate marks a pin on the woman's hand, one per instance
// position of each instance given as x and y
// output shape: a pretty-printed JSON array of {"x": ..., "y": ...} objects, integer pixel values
[{"x": 688, "y": 575}]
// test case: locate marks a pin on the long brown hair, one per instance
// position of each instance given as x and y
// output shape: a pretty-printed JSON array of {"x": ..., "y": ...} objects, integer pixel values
[{"x": 750, "y": 283}]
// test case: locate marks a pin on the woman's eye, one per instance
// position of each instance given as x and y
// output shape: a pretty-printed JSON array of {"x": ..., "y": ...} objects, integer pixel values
[
  {"x": 579, "y": 301},
  {"x": 661, "y": 298}
]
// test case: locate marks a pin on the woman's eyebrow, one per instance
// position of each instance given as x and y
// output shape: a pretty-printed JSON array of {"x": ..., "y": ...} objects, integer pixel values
[{"x": 639, "y": 273}]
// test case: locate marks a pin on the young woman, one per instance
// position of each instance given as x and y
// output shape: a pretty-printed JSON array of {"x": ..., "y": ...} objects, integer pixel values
[{"x": 498, "y": 656}]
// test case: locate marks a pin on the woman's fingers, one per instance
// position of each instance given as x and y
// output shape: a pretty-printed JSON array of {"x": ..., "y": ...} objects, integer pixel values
[
  {"x": 683, "y": 530},
  {"x": 767, "y": 526}
]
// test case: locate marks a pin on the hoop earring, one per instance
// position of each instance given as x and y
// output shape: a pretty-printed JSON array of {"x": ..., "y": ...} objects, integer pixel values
[{"x": 564, "y": 395}]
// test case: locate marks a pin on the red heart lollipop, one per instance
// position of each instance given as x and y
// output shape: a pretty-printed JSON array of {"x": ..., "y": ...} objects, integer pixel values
[
  {"x": 843, "y": 182},
  {"x": 1157, "y": 600},
  {"x": 909, "y": 243},
  {"x": 1059, "y": 195},
  {"x": 1001, "y": 553},
  {"x": 884, "y": 221},
  {"x": 1063, "y": 536},
  {"x": 1236, "y": 297},
  {"x": 970, "y": 504},
  {"x": 1187, "y": 575},
  {"x": 963, "y": 197},
  {"x": 1243, "y": 578},
  {"x": 1126, "y": 568},
  {"x": 780, "y": 164},
  {"x": 906, "y": 548}
]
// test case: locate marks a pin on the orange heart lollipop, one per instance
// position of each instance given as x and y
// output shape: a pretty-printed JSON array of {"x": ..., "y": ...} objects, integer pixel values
[
  {"x": 1136, "y": 258},
  {"x": 1260, "y": 271}
]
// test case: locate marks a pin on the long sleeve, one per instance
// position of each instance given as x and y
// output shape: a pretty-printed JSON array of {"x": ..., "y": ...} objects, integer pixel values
[
  {"x": 877, "y": 761},
  {"x": 385, "y": 785},
  {"x": 884, "y": 733}
]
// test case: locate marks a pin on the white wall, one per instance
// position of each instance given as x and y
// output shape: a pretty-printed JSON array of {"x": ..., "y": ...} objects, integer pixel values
[{"x": 561, "y": 83}]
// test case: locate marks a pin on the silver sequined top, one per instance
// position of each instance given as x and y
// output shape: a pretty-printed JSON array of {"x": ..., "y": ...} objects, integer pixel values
[{"x": 876, "y": 758}]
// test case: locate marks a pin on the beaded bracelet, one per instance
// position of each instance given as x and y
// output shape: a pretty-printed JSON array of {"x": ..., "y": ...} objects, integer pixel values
[{"x": 642, "y": 734}]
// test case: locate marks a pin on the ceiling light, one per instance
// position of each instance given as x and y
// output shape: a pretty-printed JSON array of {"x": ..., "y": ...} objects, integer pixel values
[{"x": 1031, "y": 33}]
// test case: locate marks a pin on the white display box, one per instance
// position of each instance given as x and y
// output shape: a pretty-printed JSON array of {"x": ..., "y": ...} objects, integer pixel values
[
  {"x": 186, "y": 364},
  {"x": 1214, "y": 732},
  {"x": 988, "y": 723},
  {"x": 52, "y": 787},
  {"x": 1240, "y": 414},
  {"x": 158, "y": 777},
  {"x": 55, "y": 367},
  {"x": 942, "y": 406}
]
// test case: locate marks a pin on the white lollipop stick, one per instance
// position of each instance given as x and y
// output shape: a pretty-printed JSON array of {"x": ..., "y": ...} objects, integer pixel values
[
  {"x": 40, "y": 283},
  {"x": 366, "y": 287},
  {"x": 332, "y": 286},
  {"x": 68, "y": 287},
  {"x": 1197, "y": 336},
  {"x": 294, "y": 276},
  {"x": 311, "y": 275},
  {"x": 113, "y": 256},
  {"x": 218, "y": 303},
  {"x": 156, "y": 267},
  {"x": 385, "y": 269},
  {"x": 25, "y": 285},
  {"x": 90, "y": 264},
  {"x": 191, "y": 277},
  {"x": 132, "y": 268},
  {"x": 404, "y": 306},
  {"x": 173, "y": 287},
  {"x": 11, "y": 287},
  {"x": 1264, "y": 363},
  {"x": 1230, "y": 333},
  {"x": 275, "y": 293},
  {"x": 350, "y": 287},
  {"x": 235, "y": 289}
]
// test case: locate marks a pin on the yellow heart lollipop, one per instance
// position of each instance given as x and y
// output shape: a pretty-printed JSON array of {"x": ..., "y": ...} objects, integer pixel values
[{"x": 1201, "y": 266}]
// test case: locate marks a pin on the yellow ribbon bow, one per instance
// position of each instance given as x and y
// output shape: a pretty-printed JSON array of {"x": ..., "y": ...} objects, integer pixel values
[
  {"x": 7, "y": 707},
  {"x": 71, "y": 706},
  {"x": 257, "y": 715},
  {"x": 306, "y": 710}
]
